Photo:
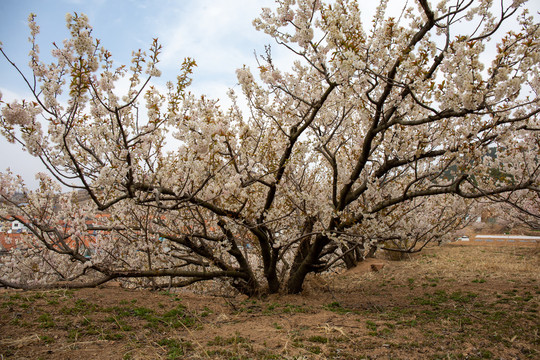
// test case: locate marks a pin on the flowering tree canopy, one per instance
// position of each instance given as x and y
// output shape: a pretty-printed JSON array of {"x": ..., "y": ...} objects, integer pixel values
[{"x": 376, "y": 136}]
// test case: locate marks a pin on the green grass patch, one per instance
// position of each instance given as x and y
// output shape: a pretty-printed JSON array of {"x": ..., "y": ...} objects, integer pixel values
[
  {"x": 318, "y": 339},
  {"x": 338, "y": 309},
  {"x": 176, "y": 349},
  {"x": 46, "y": 321},
  {"x": 222, "y": 341}
]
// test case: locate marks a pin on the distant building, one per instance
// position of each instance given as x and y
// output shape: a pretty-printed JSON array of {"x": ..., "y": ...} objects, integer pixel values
[{"x": 18, "y": 227}]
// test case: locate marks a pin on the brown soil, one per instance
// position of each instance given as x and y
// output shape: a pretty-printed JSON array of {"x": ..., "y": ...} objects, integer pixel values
[{"x": 449, "y": 302}]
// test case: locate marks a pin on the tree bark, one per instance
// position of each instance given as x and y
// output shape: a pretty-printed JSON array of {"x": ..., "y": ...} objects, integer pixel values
[
  {"x": 349, "y": 259},
  {"x": 297, "y": 277}
]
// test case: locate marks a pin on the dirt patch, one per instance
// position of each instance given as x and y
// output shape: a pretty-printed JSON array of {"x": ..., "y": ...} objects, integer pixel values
[{"x": 450, "y": 302}]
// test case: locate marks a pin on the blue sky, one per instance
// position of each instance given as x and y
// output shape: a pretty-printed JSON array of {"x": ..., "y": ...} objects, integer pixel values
[{"x": 217, "y": 34}]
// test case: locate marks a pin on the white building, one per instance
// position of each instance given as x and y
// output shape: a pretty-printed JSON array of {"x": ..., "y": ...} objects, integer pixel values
[{"x": 17, "y": 227}]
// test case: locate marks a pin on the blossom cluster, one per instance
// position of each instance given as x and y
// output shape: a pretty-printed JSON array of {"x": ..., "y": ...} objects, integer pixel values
[{"x": 378, "y": 136}]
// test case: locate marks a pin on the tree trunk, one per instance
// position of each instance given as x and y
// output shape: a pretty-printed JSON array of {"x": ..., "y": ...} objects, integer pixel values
[
  {"x": 249, "y": 288},
  {"x": 271, "y": 275},
  {"x": 298, "y": 273},
  {"x": 350, "y": 258},
  {"x": 355, "y": 256},
  {"x": 303, "y": 248},
  {"x": 371, "y": 252}
]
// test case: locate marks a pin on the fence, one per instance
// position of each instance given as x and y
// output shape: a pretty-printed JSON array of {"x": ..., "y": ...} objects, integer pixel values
[{"x": 505, "y": 239}]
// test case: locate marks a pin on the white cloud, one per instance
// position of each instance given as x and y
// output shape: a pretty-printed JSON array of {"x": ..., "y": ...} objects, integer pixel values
[
  {"x": 9, "y": 96},
  {"x": 218, "y": 35},
  {"x": 210, "y": 30}
]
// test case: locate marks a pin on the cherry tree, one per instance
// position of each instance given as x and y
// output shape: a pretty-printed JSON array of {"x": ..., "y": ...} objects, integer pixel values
[
  {"x": 375, "y": 137},
  {"x": 520, "y": 207}
]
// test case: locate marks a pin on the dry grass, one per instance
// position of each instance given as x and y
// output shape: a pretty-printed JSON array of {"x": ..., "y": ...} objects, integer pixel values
[
  {"x": 452, "y": 302},
  {"x": 471, "y": 260}
]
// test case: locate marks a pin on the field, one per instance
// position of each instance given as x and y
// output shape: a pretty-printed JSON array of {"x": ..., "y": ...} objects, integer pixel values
[{"x": 449, "y": 302}]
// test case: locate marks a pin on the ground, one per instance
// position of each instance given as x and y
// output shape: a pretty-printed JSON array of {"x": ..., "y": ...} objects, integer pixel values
[{"x": 449, "y": 302}]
